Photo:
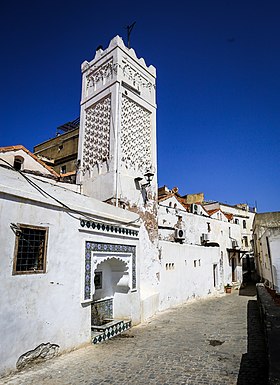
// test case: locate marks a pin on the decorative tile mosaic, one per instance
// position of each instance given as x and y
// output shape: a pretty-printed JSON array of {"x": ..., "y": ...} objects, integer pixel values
[
  {"x": 112, "y": 330},
  {"x": 111, "y": 248},
  {"x": 101, "y": 310},
  {"x": 108, "y": 228}
]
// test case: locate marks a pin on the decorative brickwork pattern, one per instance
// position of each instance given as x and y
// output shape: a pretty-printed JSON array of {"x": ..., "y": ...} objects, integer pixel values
[
  {"x": 135, "y": 136},
  {"x": 97, "y": 133}
]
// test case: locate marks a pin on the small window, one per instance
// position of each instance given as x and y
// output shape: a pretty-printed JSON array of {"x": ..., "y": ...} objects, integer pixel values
[
  {"x": 245, "y": 241},
  {"x": 63, "y": 169},
  {"x": 30, "y": 250},
  {"x": 18, "y": 162},
  {"x": 98, "y": 280},
  {"x": 244, "y": 224},
  {"x": 236, "y": 221}
]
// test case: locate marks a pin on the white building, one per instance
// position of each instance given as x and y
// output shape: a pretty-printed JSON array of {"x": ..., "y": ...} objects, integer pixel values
[
  {"x": 266, "y": 228},
  {"x": 83, "y": 261},
  {"x": 67, "y": 258},
  {"x": 117, "y": 139},
  {"x": 215, "y": 225},
  {"x": 241, "y": 253},
  {"x": 75, "y": 260}
]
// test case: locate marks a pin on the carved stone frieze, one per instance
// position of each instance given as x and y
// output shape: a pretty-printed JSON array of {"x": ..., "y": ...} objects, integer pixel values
[
  {"x": 135, "y": 136},
  {"x": 99, "y": 75},
  {"x": 135, "y": 77}
]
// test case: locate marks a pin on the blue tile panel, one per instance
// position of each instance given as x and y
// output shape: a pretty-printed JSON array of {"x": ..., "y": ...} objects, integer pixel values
[{"x": 106, "y": 248}]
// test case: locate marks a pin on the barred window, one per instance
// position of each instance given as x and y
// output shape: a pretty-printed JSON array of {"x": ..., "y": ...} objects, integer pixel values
[{"x": 30, "y": 250}]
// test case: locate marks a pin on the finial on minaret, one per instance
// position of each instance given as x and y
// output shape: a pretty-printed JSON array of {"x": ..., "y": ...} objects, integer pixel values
[{"x": 129, "y": 30}]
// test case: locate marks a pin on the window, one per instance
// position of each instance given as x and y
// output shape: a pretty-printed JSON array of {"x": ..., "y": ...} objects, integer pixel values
[
  {"x": 18, "y": 162},
  {"x": 246, "y": 241},
  {"x": 30, "y": 249},
  {"x": 63, "y": 169},
  {"x": 98, "y": 280},
  {"x": 169, "y": 266},
  {"x": 244, "y": 224},
  {"x": 236, "y": 221}
]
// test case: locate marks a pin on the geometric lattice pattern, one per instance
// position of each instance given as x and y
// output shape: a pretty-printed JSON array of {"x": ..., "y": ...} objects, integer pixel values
[
  {"x": 135, "y": 135},
  {"x": 106, "y": 248},
  {"x": 97, "y": 133},
  {"x": 109, "y": 330}
]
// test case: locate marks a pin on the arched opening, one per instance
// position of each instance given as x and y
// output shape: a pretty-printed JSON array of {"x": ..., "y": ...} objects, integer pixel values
[{"x": 111, "y": 281}]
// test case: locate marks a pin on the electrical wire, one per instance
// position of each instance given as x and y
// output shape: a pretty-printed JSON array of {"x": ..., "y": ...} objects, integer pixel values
[{"x": 44, "y": 193}]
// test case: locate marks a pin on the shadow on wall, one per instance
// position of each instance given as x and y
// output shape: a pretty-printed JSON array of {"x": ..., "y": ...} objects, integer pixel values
[
  {"x": 249, "y": 290},
  {"x": 253, "y": 367}
]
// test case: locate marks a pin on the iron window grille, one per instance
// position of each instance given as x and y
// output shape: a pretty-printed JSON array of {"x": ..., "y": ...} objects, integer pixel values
[{"x": 30, "y": 250}]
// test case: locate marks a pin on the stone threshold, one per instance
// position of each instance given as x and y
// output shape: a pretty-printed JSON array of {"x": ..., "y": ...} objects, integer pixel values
[{"x": 100, "y": 333}]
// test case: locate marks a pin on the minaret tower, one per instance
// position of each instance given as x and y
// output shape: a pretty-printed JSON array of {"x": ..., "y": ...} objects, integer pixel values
[{"x": 117, "y": 141}]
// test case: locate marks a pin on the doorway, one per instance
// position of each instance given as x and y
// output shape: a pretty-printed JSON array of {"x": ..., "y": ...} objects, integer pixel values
[
  {"x": 233, "y": 269},
  {"x": 215, "y": 274}
]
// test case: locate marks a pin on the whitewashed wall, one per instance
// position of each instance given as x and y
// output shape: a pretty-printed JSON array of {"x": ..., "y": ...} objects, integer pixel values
[
  {"x": 269, "y": 268},
  {"x": 219, "y": 231},
  {"x": 186, "y": 272},
  {"x": 29, "y": 163},
  {"x": 50, "y": 307},
  {"x": 274, "y": 244}
]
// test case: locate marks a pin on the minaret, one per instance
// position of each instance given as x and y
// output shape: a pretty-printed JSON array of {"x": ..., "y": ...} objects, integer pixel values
[{"x": 117, "y": 141}]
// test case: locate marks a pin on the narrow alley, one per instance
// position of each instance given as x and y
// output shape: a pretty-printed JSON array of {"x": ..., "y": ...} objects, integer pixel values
[{"x": 215, "y": 341}]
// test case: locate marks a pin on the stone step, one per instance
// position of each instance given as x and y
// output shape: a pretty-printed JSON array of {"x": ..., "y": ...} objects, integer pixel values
[{"x": 109, "y": 330}]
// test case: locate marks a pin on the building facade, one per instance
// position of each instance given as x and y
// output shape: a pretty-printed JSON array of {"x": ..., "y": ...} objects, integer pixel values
[
  {"x": 99, "y": 247},
  {"x": 266, "y": 229}
]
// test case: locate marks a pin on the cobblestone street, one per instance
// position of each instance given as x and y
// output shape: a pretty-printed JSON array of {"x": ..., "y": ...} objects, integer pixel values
[{"x": 202, "y": 342}]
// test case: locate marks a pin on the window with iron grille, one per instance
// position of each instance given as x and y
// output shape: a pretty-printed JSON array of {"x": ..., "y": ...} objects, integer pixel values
[{"x": 30, "y": 250}]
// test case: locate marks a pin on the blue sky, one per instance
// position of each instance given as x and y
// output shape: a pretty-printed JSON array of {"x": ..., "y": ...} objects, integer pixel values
[{"x": 218, "y": 83}]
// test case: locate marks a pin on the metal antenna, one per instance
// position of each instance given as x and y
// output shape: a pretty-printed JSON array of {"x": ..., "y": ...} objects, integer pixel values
[{"x": 129, "y": 30}]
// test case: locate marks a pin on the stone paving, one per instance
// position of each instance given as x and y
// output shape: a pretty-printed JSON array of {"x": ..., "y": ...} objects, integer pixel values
[{"x": 201, "y": 342}]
